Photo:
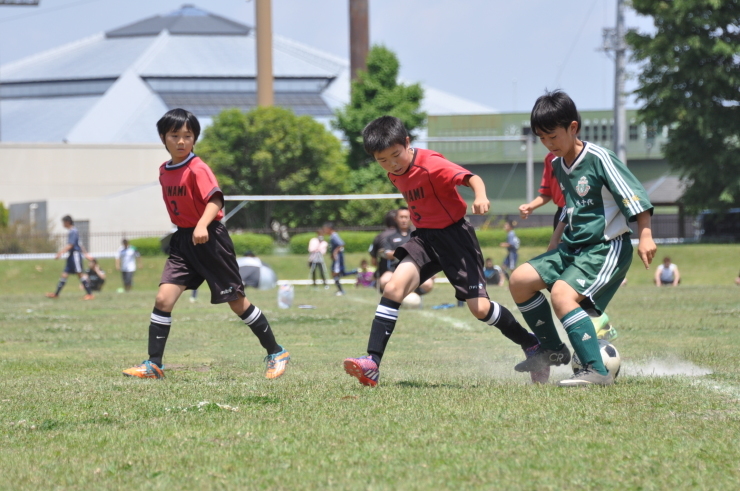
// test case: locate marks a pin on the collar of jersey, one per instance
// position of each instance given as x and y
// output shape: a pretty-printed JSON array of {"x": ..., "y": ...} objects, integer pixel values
[
  {"x": 578, "y": 160},
  {"x": 169, "y": 166}
]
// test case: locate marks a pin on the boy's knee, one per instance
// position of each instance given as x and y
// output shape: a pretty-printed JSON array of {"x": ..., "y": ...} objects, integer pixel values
[{"x": 393, "y": 291}]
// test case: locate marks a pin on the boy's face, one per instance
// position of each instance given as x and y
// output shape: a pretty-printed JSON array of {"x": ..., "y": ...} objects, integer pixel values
[
  {"x": 561, "y": 141},
  {"x": 179, "y": 143},
  {"x": 403, "y": 219},
  {"x": 396, "y": 158}
]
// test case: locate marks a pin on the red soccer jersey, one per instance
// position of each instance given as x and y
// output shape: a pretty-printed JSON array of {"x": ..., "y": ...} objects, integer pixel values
[
  {"x": 186, "y": 189},
  {"x": 549, "y": 185},
  {"x": 429, "y": 186}
]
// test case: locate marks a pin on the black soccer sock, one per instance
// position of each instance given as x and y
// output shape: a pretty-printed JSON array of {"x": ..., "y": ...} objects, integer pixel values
[
  {"x": 60, "y": 285},
  {"x": 502, "y": 318},
  {"x": 384, "y": 322},
  {"x": 86, "y": 285},
  {"x": 159, "y": 330},
  {"x": 339, "y": 285},
  {"x": 256, "y": 320}
]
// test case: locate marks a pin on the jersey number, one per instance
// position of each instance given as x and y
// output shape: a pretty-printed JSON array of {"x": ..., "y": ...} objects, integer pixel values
[
  {"x": 174, "y": 208},
  {"x": 416, "y": 214}
]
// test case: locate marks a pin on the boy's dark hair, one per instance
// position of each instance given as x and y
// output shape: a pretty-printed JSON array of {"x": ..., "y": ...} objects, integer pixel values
[
  {"x": 176, "y": 119},
  {"x": 68, "y": 219},
  {"x": 553, "y": 110},
  {"x": 383, "y": 133},
  {"x": 329, "y": 225}
]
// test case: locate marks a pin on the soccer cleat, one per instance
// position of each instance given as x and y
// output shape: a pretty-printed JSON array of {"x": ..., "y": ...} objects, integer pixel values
[
  {"x": 607, "y": 333},
  {"x": 587, "y": 376},
  {"x": 147, "y": 369},
  {"x": 538, "y": 376},
  {"x": 363, "y": 369},
  {"x": 542, "y": 358},
  {"x": 52, "y": 295},
  {"x": 339, "y": 294},
  {"x": 89, "y": 296},
  {"x": 276, "y": 363}
]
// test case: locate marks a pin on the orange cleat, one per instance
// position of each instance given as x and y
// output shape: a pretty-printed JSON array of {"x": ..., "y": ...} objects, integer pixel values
[
  {"x": 147, "y": 369},
  {"x": 52, "y": 295},
  {"x": 276, "y": 363},
  {"x": 88, "y": 297}
]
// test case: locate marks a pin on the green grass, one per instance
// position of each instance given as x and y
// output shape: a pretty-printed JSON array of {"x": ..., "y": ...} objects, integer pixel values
[{"x": 450, "y": 412}]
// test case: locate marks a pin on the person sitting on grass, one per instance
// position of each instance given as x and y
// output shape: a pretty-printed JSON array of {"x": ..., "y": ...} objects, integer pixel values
[
  {"x": 365, "y": 275},
  {"x": 667, "y": 274},
  {"x": 200, "y": 249},
  {"x": 602, "y": 196},
  {"x": 443, "y": 241},
  {"x": 95, "y": 276}
]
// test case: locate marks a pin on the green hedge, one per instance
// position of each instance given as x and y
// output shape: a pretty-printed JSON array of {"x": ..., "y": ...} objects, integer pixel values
[
  {"x": 147, "y": 246},
  {"x": 529, "y": 237},
  {"x": 258, "y": 243},
  {"x": 353, "y": 241}
]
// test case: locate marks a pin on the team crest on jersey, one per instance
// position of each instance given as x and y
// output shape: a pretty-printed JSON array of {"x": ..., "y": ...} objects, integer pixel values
[{"x": 582, "y": 187}]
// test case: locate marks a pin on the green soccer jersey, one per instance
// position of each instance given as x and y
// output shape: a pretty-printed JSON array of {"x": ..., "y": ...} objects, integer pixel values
[{"x": 601, "y": 196}]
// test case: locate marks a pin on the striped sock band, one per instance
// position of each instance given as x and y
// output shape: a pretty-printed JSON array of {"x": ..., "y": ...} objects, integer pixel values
[{"x": 384, "y": 322}]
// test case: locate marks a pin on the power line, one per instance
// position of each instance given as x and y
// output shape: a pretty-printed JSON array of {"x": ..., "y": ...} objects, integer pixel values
[{"x": 575, "y": 42}]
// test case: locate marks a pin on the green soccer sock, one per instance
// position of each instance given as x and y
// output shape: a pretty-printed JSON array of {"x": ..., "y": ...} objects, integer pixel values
[
  {"x": 582, "y": 337},
  {"x": 537, "y": 313}
]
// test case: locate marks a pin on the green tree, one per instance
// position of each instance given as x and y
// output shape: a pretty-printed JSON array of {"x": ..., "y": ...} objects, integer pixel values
[
  {"x": 689, "y": 82},
  {"x": 4, "y": 215},
  {"x": 375, "y": 93},
  {"x": 271, "y": 151}
]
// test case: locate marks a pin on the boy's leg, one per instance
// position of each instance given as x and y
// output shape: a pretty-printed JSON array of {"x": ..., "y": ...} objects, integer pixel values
[
  {"x": 60, "y": 284},
  {"x": 403, "y": 281},
  {"x": 525, "y": 285},
  {"x": 336, "y": 272},
  {"x": 159, "y": 330},
  {"x": 277, "y": 357},
  {"x": 85, "y": 284}
]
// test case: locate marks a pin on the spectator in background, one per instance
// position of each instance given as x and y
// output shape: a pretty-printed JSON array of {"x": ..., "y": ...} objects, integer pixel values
[
  {"x": 381, "y": 265},
  {"x": 667, "y": 274},
  {"x": 493, "y": 273},
  {"x": 127, "y": 259},
  {"x": 95, "y": 275},
  {"x": 511, "y": 245},
  {"x": 365, "y": 275},
  {"x": 74, "y": 260},
  {"x": 317, "y": 247},
  {"x": 337, "y": 255}
]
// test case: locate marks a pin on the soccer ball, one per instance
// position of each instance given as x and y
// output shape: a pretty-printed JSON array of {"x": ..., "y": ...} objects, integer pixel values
[
  {"x": 609, "y": 355},
  {"x": 412, "y": 301}
]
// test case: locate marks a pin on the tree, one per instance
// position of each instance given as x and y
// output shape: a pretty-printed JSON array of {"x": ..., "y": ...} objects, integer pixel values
[
  {"x": 375, "y": 93},
  {"x": 271, "y": 151},
  {"x": 690, "y": 82}
]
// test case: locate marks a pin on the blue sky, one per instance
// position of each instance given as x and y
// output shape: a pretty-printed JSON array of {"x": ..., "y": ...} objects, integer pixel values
[{"x": 501, "y": 53}]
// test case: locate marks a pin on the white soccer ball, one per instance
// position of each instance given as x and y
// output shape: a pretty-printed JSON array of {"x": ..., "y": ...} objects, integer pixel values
[
  {"x": 609, "y": 355},
  {"x": 412, "y": 301}
]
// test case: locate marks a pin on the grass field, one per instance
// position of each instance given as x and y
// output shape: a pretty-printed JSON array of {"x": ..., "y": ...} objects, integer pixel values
[{"x": 450, "y": 412}]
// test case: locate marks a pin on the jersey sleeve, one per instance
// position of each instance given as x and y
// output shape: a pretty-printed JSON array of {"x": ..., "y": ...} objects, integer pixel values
[
  {"x": 442, "y": 170},
  {"x": 628, "y": 193},
  {"x": 545, "y": 189},
  {"x": 205, "y": 182}
]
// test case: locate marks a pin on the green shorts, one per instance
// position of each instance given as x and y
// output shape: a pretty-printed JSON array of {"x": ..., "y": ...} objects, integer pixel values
[{"x": 595, "y": 271}]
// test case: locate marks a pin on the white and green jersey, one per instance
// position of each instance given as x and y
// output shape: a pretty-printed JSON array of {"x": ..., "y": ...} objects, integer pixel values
[{"x": 601, "y": 196}]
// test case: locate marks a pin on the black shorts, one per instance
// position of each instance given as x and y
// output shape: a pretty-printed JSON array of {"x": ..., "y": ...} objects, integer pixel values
[
  {"x": 74, "y": 263},
  {"x": 213, "y": 262},
  {"x": 454, "y": 250}
]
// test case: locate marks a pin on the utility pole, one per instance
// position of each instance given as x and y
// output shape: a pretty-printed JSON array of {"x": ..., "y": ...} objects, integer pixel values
[
  {"x": 614, "y": 42},
  {"x": 263, "y": 16},
  {"x": 359, "y": 37}
]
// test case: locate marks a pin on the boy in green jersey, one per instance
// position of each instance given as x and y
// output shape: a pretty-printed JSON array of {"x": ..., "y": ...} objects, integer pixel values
[{"x": 588, "y": 266}]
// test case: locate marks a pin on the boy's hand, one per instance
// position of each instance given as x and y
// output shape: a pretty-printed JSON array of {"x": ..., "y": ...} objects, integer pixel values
[
  {"x": 524, "y": 211},
  {"x": 646, "y": 248},
  {"x": 481, "y": 205},
  {"x": 200, "y": 235}
]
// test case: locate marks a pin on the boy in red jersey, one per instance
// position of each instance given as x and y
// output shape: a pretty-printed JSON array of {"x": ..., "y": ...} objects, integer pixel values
[
  {"x": 549, "y": 190},
  {"x": 442, "y": 241},
  {"x": 200, "y": 249}
]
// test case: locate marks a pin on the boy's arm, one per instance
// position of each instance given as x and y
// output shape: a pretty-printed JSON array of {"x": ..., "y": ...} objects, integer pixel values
[
  {"x": 647, "y": 248},
  {"x": 557, "y": 235},
  {"x": 526, "y": 209},
  {"x": 200, "y": 234},
  {"x": 63, "y": 251},
  {"x": 480, "y": 202},
  {"x": 656, "y": 276}
]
